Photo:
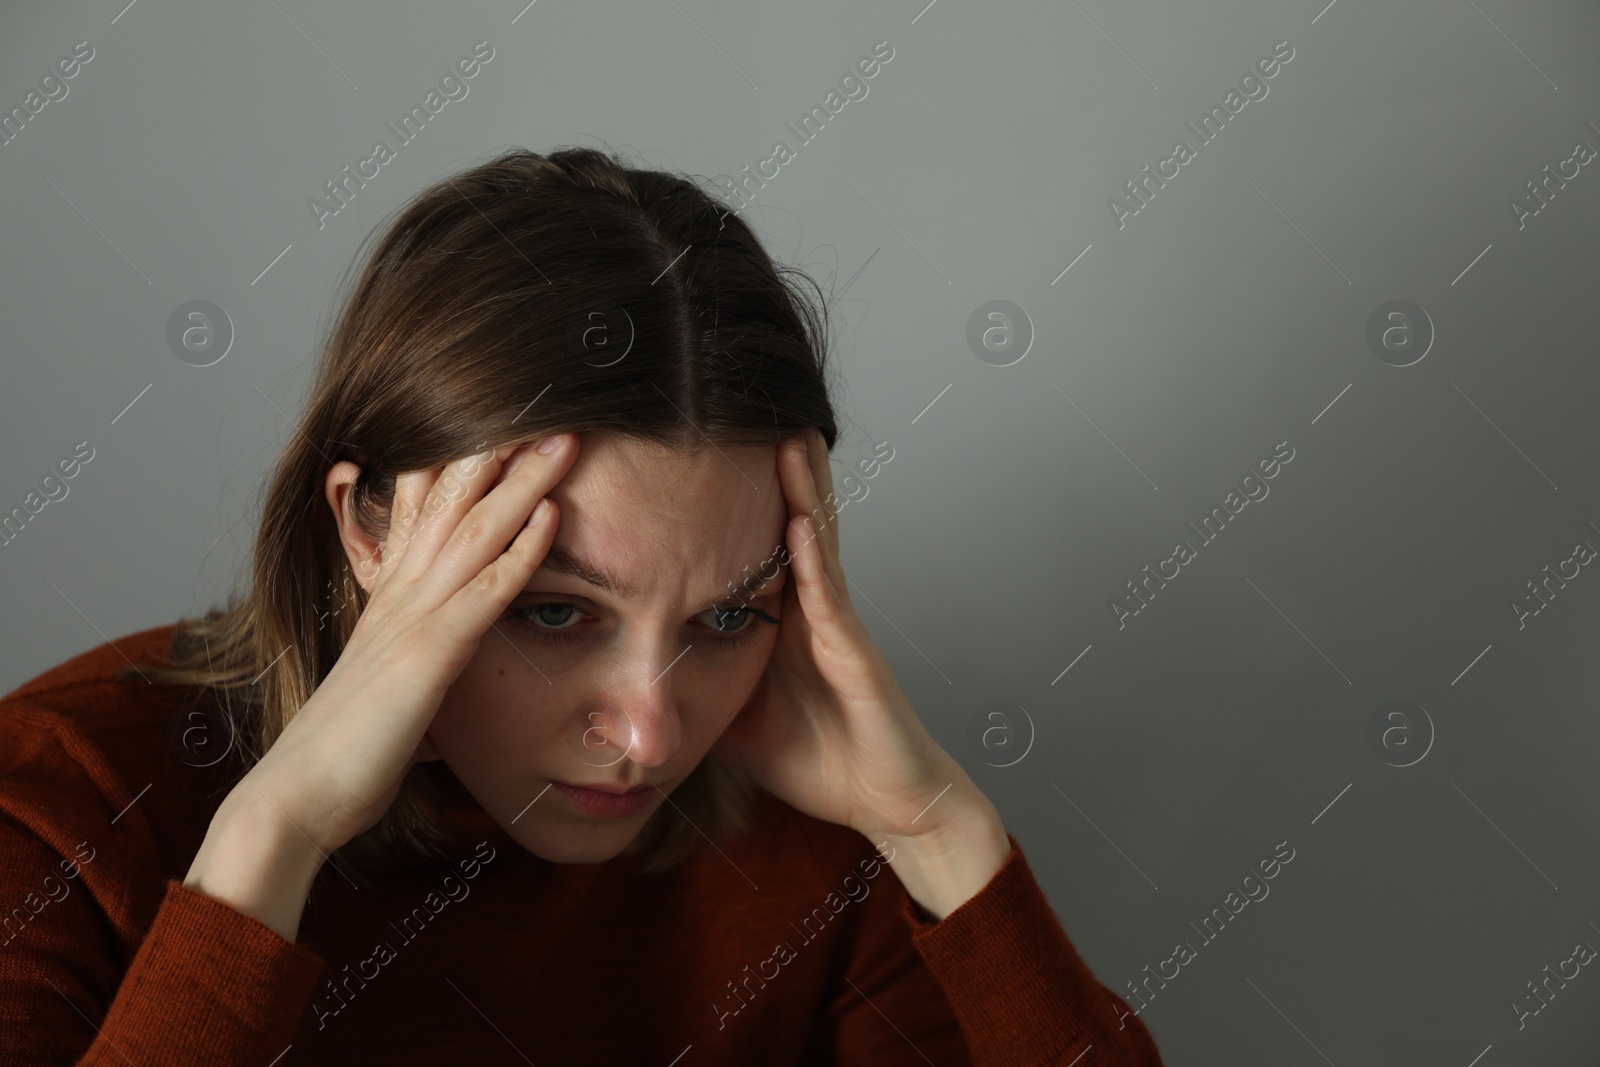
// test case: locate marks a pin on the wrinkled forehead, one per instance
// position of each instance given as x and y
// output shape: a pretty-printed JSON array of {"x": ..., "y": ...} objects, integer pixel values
[{"x": 643, "y": 511}]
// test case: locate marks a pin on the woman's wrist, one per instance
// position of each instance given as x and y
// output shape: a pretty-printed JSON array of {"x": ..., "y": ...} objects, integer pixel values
[
  {"x": 950, "y": 864},
  {"x": 255, "y": 861}
]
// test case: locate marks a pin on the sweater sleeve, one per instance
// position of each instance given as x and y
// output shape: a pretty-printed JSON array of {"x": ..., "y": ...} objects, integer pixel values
[
  {"x": 1014, "y": 988},
  {"x": 85, "y": 980}
]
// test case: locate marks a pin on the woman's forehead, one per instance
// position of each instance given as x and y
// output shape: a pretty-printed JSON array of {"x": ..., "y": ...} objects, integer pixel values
[
  {"x": 635, "y": 512},
  {"x": 632, "y": 482}
]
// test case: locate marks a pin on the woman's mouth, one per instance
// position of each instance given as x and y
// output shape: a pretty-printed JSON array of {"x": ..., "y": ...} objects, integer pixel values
[{"x": 605, "y": 803}]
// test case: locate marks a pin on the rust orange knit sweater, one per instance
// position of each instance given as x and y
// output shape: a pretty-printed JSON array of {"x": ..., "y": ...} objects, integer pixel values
[{"x": 793, "y": 945}]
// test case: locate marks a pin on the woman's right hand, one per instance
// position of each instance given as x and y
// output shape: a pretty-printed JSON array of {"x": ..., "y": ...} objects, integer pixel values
[{"x": 459, "y": 551}]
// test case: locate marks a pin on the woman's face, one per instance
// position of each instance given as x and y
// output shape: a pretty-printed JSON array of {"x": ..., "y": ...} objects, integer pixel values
[{"x": 631, "y": 685}]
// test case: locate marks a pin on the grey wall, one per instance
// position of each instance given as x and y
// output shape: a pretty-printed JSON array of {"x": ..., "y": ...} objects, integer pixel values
[{"x": 1443, "y": 849}]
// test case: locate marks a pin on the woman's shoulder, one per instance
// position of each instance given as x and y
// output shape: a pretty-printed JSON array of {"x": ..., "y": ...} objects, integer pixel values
[
  {"x": 97, "y": 666},
  {"x": 80, "y": 747},
  {"x": 82, "y": 705}
]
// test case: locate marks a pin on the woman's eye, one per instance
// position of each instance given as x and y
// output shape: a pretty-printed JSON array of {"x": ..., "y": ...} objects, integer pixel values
[
  {"x": 534, "y": 618},
  {"x": 730, "y": 620},
  {"x": 550, "y": 621},
  {"x": 735, "y": 626}
]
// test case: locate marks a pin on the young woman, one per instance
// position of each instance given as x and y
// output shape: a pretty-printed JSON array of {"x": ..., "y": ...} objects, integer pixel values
[{"x": 545, "y": 730}]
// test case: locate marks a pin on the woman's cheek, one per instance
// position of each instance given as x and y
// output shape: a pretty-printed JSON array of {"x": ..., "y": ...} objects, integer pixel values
[
  {"x": 736, "y": 691},
  {"x": 490, "y": 710}
]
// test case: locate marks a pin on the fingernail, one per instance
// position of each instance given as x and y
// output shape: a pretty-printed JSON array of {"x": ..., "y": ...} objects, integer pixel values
[
  {"x": 550, "y": 444},
  {"x": 539, "y": 513}
]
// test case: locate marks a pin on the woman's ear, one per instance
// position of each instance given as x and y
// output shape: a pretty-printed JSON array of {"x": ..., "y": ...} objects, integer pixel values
[{"x": 365, "y": 553}]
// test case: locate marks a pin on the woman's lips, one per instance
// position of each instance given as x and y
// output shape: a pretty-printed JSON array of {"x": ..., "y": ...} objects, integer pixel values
[{"x": 606, "y": 803}]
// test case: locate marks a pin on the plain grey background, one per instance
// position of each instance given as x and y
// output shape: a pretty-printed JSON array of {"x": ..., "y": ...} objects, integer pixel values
[{"x": 1230, "y": 314}]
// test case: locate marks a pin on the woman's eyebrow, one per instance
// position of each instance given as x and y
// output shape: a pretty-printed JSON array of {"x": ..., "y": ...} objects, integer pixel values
[{"x": 563, "y": 561}]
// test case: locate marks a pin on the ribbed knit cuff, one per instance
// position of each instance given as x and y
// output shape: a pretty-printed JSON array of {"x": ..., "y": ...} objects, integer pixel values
[
  {"x": 210, "y": 985},
  {"x": 1010, "y": 972}
]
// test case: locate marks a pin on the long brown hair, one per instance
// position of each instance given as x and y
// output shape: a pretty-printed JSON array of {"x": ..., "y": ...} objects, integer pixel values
[{"x": 529, "y": 295}]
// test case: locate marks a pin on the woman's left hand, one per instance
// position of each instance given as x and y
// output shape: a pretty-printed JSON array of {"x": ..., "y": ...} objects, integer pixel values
[{"x": 828, "y": 729}]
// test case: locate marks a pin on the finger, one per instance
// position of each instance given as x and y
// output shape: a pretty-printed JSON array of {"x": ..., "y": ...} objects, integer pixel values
[
  {"x": 823, "y": 506},
  {"x": 824, "y": 599},
  {"x": 807, "y": 514},
  {"x": 799, "y": 485},
  {"x": 452, "y": 495},
  {"x": 405, "y": 509},
  {"x": 821, "y": 472},
  {"x": 814, "y": 587},
  {"x": 476, "y": 606},
  {"x": 493, "y": 521},
  {"x": 792, "y": 479}
]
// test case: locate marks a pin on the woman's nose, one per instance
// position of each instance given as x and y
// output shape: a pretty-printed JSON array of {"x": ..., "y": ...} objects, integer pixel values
[{"x": 642, "y": 718}]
